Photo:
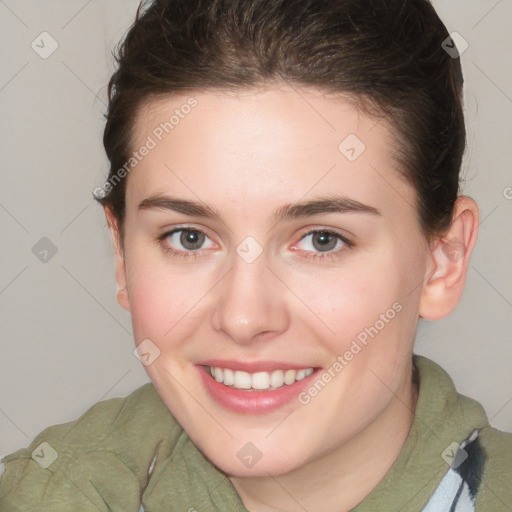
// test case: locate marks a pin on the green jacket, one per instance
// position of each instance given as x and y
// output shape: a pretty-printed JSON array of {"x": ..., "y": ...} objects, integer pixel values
[{"x": 130, "y": 454}]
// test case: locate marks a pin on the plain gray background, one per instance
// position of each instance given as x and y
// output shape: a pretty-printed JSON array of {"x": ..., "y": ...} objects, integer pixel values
[{"x": 65, "y": 342}]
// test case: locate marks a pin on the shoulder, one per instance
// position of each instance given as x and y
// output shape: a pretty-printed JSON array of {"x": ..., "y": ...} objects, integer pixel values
[
  {"x": 110, "y": 445},
  {"x": 496, "y": 487}
]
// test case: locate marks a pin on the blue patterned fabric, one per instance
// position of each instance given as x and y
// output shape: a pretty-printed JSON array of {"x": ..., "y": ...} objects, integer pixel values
[{"x": 459, "y": 487}]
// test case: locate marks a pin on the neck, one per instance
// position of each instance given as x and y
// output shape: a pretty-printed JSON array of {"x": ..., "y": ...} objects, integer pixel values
[{"x": 341, "y": 479}]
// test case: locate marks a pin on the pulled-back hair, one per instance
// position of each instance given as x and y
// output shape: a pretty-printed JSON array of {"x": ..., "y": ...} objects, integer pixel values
[{"x": 387, "y": 55}]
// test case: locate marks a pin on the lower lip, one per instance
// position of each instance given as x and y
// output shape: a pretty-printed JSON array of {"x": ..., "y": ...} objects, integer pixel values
[{"x": 251, "y": 402}]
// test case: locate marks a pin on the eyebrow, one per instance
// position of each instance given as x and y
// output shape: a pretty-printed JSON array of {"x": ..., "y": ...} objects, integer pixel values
[{"x": 330, "y": 204}]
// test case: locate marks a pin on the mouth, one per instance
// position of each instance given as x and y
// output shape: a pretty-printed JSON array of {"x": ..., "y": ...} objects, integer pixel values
[
  {"x": 258, "y": 381},
  {"x": 249, "y": 389}
]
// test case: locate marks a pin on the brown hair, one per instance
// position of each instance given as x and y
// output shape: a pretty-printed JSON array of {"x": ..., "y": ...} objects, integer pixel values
[{"x": 387, "y": 54}]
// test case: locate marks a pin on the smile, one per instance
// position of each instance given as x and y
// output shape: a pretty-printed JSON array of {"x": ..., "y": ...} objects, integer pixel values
[
  {"x": 258, "y": 381},
  {"x": 258, "y": 388}
]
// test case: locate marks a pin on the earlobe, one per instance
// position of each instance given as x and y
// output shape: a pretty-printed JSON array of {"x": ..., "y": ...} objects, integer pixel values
[
  {"x": 120, "y": 271},
  {"x": 122, "y": 298},
  {"x": 448, "y": 262}
]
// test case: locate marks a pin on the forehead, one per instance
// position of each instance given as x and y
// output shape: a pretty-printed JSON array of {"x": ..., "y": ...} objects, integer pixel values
[
  {"x": 253, "y": 114},
  {"x": 269, "y": 143}
]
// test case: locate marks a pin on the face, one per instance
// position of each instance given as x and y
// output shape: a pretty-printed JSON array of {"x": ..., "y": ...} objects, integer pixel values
[{"x": 269, "y": 236}]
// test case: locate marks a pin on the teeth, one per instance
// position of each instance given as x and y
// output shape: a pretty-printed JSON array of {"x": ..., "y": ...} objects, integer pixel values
[
  {"x": 277, "y": 379},
  {"x": 258, "y": 380},
  {"x": 242, "y": 380},
  {"x": 229, "y": 377},
  {"x": 261, "y": 380},
  {"x": 289, "y": 376},
  {"x": 219, "y": 376}
]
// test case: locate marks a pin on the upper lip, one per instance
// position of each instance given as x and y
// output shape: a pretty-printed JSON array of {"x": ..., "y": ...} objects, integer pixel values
[{"x": 254, "y": 366}]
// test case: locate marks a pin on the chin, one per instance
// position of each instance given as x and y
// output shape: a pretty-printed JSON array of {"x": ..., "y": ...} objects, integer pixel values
[{"x": 248, "y": 461}]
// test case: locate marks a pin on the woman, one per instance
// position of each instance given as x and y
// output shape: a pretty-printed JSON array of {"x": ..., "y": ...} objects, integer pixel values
[{"x": 283, "y": 202}]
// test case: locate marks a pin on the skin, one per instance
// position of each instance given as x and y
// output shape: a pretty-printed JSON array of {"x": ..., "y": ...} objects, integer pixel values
[{"x": 280, "y": 147}]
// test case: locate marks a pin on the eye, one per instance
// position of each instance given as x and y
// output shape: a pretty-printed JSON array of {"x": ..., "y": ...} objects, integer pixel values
[
  {"x": 327, "y": 243},
  {"x": 185, "y": 241}
]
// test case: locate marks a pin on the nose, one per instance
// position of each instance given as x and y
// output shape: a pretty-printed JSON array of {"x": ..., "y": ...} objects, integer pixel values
[{"x": 250, "y": 303}]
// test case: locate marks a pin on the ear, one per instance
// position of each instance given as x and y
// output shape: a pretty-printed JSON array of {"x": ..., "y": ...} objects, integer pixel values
[
  {"x": 115, "y": 233},
  {"x": 448, "y": 262}
]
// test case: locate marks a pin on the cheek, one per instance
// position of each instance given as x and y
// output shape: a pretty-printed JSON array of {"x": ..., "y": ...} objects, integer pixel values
[
  {"x": 162, "y": 298},
  {"x": 160, "y": 311},
  {"x": 368, "y": 314},
  {"x": 169, "y": 300},
  {"x": 353, "y": 297}
]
